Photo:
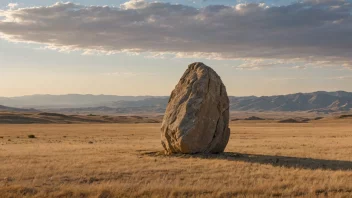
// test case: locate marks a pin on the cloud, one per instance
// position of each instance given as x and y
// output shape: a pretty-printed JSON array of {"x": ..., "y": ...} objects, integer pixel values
[
  {"x": 316, "y": 32},
  {"x": 300, "y": 67},
  {"x": 259, "y": 64},
  {"x": 134, "y": 4},
  {"x": 340, "y": 78},
  {"x": 12, "y": 5}
]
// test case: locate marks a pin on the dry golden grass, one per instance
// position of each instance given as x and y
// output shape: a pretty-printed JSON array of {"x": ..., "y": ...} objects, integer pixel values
[{"x": 263, "y": 159}]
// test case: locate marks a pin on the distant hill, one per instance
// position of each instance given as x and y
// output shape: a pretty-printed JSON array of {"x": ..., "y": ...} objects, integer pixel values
[
  {"x": 148, "y": 102},
  {"x": 321, "y": 101},
  {"x": 55, "y": 118},
  {"x": 12, "y": 109},
  {"x": 65, "y": 101},
  {"x": 109, "y": 110},
  {"x": 317, "y": 101}
]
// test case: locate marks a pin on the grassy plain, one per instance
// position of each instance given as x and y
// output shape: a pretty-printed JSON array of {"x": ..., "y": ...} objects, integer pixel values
[{"x": 262, "y": 159}]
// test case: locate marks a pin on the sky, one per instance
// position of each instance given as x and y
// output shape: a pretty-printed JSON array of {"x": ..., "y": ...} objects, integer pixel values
[{"x": 141, "y": 47}]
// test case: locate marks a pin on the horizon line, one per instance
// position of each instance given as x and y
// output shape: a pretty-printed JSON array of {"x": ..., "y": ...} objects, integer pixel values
[{"x": 18, "y": 96}]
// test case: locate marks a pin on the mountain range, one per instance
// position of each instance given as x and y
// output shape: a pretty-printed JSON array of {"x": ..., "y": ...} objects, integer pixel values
[
  {"x": 64, "y": 101},
  {"x": 320, "y": 101},
  {"x": 13, "y": 109}
]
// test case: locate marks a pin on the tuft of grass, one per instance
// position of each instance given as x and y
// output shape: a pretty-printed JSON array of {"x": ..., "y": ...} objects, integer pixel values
[{"x": 31, "y": 136}]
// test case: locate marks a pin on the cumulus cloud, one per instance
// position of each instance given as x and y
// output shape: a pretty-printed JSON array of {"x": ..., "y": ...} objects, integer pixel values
[
  {"x": 313, "y": 31},
  {"x": 12, "y": 5},
  {"x": 134, "y": 4}
]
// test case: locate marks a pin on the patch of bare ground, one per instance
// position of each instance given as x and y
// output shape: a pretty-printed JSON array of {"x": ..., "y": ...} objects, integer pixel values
[{"x": 263, "y": 159}]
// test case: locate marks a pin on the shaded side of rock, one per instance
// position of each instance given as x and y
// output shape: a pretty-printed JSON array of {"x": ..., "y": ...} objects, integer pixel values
[{"x": 197, "y": 116}]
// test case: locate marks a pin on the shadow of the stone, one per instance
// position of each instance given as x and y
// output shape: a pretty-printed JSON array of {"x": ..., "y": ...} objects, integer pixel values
[{"x": 282, "y": 161}]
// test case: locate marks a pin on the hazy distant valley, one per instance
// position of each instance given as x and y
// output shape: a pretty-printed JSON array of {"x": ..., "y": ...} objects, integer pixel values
[{"x": 319, "y": 102}]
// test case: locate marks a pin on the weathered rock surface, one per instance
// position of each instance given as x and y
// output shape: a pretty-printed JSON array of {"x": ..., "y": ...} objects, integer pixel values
[{"x": 197, "y": 116}]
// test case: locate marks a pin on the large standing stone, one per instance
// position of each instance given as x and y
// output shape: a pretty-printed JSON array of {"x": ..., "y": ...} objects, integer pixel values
[{"x": 197, "y": 115}]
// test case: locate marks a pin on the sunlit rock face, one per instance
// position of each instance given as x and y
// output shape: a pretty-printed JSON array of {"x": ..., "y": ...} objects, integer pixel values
[{"x": 197, "y": 116}]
